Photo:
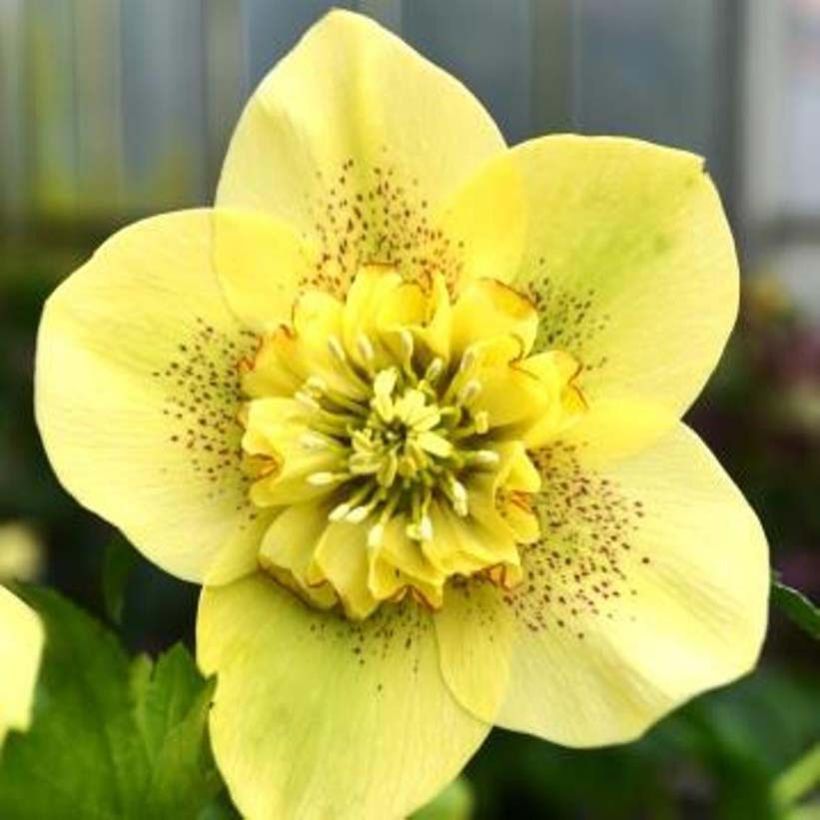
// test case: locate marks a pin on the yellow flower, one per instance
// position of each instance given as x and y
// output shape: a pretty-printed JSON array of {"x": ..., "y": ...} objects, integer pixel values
[
  {"x": 407, "y": 403},
  {"x": 21, "y": 645}
]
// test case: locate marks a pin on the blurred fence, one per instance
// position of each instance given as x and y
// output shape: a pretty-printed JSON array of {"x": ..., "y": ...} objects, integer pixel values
[
  {"x": 114, "y": 108},
  {"x": 110, "y": 108}
]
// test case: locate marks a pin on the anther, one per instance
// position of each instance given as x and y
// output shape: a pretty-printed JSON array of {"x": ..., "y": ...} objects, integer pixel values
[
  {"x": 358, "y": 514},
  {"x": 336, "y": 349},
  {"x": 459, "y": 496},
  {"x": 316, "y": 384},
  {"x": 434, "y": 370},
  {"x": 469, "y": 393},
  {"x": 406, "y": 345},
  {"x": 365, "y": 348},
  {"x": 306, "y": 400},
  {"x": 375, "y": 535},
  {"x": 467, "y": 360},
  {"x": 313, "y": 441},
  {"x": 481, "y": 422},
  {"x": 339, "y": 512},
  {"x": 324, "y": 479}
]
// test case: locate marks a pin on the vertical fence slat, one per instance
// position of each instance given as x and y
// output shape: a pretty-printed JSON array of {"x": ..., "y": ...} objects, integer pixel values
[
  {"x": 98, "y": 109},
  {"x": 50, "y": 69},
  {"x": 14, "y": 194},
  {"x": 486, "y": 44}
]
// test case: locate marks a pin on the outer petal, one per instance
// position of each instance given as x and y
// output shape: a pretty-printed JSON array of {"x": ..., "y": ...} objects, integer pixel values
[
  {"x": 357, "y": 140},
  {"x": 624, "y": 249},
  {"x": 21, "y": 645},
  {"x": 137, "y": 397},
  {"x": 315, "y": 716},
  {"x": 650, "y": 586}
]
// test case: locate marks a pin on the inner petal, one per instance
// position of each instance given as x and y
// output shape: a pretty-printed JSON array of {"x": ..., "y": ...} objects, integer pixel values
[{"x": 410, "y": 464}]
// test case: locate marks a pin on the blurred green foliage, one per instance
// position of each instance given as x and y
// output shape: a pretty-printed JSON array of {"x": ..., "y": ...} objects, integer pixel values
[
  {"x": 111, "y": 736},
  {"x": 726, "y": 755}
]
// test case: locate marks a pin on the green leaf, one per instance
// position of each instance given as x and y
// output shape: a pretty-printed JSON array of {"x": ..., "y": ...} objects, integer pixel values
[
  {"x": 118, "y": 563},
  {"x": 111, "y": 738},
  {"x": 797, "y": 607},
  {"x": 171, "y": 710},
  {"x": 798, "y": 780},
  {"x": 454, "y": 803}
]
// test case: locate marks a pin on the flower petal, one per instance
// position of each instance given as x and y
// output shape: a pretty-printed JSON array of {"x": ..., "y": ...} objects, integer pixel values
[
  {"x": 21, "y": 645},
  {"x": 626, "y": 254},
  {"x": 649, "y": 586},
  {"x": 356, "y": 140},
  {"x": 137, "y": 396},
  {"x": 318, "y": 716},
  {"x": 261, "y": 264}
]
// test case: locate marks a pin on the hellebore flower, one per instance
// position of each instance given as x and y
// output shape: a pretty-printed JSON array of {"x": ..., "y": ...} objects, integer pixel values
[
  {"x": 21, "y": 645},
  {"x": 406, "y": 403}
]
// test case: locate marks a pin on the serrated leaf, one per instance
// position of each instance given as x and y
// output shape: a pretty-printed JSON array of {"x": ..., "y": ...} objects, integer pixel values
[
  {"x": 797, "y": 607},
  {"x": 172, "y": 714},
  {"x": 82, "y": 756},
  {"x": 111, "y": 738}
]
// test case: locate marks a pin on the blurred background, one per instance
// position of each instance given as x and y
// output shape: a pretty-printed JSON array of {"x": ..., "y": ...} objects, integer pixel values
[{"x": 113, "y": 109}]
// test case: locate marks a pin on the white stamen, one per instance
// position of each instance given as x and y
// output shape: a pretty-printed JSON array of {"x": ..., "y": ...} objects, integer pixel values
[
  {"x": 336, "y": 349},
  {"x": 365, "y": 348},
  {"x": 375, "y": 535},
  {"x": 313, "y": 441},
  {"x": 459, "y": 497},
  {"x": 340, "y": 512},
  {"x": 323, "y": 479},
  {"x": 434, "y": 370},
  {"x": 481, "y": 421},
  {"x": 467, "y": 360},
  {"x": 306, "y": 400},
  {"x": 358, "y": 514},
  {"x": 406, "y": 344},
  {"x": 469, "y": 392},
  {"x": 316, "y": 384},
  {"x": 488, "y": 458}
]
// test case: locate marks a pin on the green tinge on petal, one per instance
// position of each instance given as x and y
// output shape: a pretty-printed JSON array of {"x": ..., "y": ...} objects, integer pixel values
[
  {"x": 317, "y": 716},
  {"x": 649, "y": 587},
  {"x": 624, "y": 250}
]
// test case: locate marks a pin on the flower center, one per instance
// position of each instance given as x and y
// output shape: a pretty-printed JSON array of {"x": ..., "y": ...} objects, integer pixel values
[
  {"x": 389, "y": 435},
  {"x": 412, "y": 442}
]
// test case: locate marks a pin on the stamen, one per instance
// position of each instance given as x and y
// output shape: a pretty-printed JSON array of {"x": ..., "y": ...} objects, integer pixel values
[
  {"x": 324, "y": 479},
  {"x": 375, "y": 535},
  {"x": 469, "y": 393},
  {"x": 459, "y": 494},
  {"x": 486, "y": 458},
  {"x": 406, "y": 338},
  {"x": 339, "y": 512},
  {"x": 313, "y": 441},
  {"x": 481, "y": 422},
  {"x": 316, "y": 385},
  {"x": 366, "y": 350},
  {"x": 434, "y": 370},
  {"x": 467, "y": 360},
  {"x": 337, "y": 349},
  {"x": 306, "y": 400}
]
